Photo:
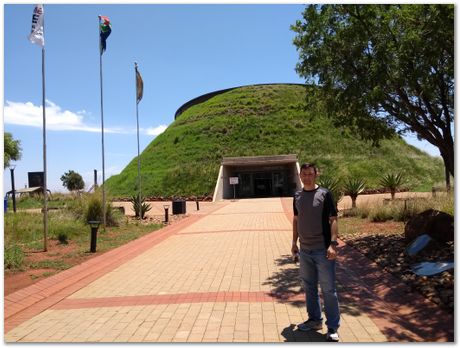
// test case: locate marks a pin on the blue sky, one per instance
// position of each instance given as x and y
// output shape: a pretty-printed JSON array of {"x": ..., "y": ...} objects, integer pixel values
[{"x": 183, "y": 51}]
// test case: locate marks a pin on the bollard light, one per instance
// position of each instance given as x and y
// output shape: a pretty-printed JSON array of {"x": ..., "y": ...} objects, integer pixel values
[
  {"x": 166, "y": 207},
  {"x": 94, "y": 224}
]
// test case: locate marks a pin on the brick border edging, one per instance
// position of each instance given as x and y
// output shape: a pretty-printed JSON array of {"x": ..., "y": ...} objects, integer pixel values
[
  {"x": 396, "y": 310},
  {"x": 36, "y": 298},
  {"x": 143, "y": 300}
]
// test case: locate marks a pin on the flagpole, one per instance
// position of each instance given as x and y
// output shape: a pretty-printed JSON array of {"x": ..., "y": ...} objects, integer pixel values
[
  {"x": 45, "y": 186},
  {"x": 102, "y": 131},
  {"x": 138, "y": 147},
  {"x": 37, "y": 36}
]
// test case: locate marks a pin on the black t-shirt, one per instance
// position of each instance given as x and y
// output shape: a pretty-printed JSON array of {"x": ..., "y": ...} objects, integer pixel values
[{"x": 313, "y": 210}]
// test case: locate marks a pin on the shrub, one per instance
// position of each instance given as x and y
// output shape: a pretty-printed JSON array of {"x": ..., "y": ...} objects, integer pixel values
[
  {"x": 381, "y": 213},
  {"x": 14, "y": 256},
  {"x": 353, "y": 187},
  {"x": 403, "y": 210},
  {"x": 397, "y": 211},
  {"x": 110, "y": 217},
  {"x": 93, "y": 211},
  {"x": 89, "y": 207},
  {"x": 63, "y": 238},
  {"x": 446, "y": 204},
  {"x": 363, "y": 211},
  {"x": 144, "y": 207},
  {"x": 392, "y": 182},
  {"x": 353, "y": 212},
  {"x": 78, "y": 207}
]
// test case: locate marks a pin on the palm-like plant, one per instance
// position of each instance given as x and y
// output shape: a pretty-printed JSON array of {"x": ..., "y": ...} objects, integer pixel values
[
  {"x": 142, "y": 209},
  {"x": 332, "y": 185},
  {"x": 353, "y": 187},
  {"x": 392, "y": 182}
]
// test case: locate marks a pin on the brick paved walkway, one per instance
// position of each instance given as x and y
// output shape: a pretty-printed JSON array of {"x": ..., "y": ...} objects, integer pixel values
[{"x": 224, "y": 274}]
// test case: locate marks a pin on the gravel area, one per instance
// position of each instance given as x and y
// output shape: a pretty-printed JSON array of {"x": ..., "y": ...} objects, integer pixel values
[{"x": 388, "y": 251}]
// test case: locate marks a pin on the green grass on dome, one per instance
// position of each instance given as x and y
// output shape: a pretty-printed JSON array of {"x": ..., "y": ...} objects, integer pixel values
[{"x": 264, "y": 120}]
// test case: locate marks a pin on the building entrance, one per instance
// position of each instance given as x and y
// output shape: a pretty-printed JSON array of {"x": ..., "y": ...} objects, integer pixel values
[
  {"x": 264, "y": 176},
  {"x": 260, "y": 184}
]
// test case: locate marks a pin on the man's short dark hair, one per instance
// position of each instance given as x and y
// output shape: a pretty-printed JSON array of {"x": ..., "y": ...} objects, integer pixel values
[{"x": 309, "y": 165}]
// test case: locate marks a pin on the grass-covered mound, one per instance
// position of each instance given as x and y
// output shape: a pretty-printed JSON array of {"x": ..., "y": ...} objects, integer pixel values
[{"x": 264, "y": 120}]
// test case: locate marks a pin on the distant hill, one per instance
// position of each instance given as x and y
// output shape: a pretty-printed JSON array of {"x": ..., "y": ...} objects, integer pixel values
[{"x": 264, "y": 120}]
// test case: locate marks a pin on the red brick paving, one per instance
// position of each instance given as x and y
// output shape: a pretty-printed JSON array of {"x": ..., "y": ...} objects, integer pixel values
[
  {"x": 400, "y": 313},
  {"x": 28, "y": 302}
]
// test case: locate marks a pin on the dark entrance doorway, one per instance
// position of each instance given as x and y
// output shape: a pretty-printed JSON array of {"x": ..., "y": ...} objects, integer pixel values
[
  {"x": 262, "y": 184},
  {"x": 274, "y": 182}
]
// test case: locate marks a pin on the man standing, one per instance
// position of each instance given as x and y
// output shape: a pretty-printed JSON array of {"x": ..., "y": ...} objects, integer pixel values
[{"x": 315, "y": 225}]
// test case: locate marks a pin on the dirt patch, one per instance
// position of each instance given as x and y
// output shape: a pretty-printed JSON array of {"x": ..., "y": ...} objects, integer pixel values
[
  {"x": 18, "y": 280},
  {"x": 58, "y": 257}
]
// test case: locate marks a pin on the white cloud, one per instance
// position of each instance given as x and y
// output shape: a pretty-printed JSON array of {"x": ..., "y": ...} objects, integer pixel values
[
  {"x": 57, "y": 119},
  {"x": 28, "y": 114},
  {"x": 156, "y": 131}
]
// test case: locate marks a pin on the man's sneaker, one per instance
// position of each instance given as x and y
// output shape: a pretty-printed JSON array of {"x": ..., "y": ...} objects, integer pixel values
[
  {"x": 332, "y": 335},
  {"x": 310, "y": 324}
]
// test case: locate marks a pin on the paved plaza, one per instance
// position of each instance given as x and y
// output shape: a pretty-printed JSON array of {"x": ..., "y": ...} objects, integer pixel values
[{"x": 222, "y": 274}]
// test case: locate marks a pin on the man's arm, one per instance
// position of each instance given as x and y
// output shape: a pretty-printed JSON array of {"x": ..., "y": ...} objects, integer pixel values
[
  {"x": 332, "y": 250},
  {"x": 334, "y": 227},
  {"x": 295, "y": 236}
]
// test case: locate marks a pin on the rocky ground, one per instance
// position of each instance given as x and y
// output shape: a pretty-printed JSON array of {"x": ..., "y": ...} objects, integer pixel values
[
  {"x": 157, "y": 219},
  {"x": 388, "y": 251}
]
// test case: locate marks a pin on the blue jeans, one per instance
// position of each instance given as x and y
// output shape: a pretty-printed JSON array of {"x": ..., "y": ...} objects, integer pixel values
[{"x": 314, "y": 267}]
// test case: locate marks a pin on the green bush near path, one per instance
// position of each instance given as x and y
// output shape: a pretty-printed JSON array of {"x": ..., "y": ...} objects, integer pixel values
[{"x": 13, "y": 257}]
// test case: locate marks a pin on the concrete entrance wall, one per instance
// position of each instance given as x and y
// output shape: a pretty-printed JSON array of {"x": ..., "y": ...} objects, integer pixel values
[{"x": 258, "y": 176}]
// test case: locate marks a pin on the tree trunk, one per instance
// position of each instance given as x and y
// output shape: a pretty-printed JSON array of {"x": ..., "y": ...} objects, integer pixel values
[
  {"x": 448, "y": 157},
  {"x": 393, "y": 192},
  {"x": 447, "y": 179},
  {"x": 353, "y": 202}
]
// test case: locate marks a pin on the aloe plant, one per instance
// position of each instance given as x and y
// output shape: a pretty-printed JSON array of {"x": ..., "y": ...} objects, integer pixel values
[
  {"x": 144, "y": 207},
  {"x": 333, "y": 185},
  {"x": 392, "y": 182},
  {"x": 353, "y": 187}
]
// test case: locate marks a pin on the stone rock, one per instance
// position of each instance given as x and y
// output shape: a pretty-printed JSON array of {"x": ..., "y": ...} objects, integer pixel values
[{"x": 437, "y": 224}]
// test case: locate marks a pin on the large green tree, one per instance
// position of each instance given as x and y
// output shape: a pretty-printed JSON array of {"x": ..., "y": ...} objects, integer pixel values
[
  {"x": 12, "y": 150},
  {"x": 382, "y": 68},
  {"x": 72, "y": 181}
]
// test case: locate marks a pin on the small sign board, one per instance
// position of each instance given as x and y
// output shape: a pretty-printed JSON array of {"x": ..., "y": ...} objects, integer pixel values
[
  {"x": 36, "y": 179},
  {"x": 233, "y": 180}
]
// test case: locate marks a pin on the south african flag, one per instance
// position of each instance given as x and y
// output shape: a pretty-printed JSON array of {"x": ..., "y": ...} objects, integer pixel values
[{"x": 105, "y": 30}]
